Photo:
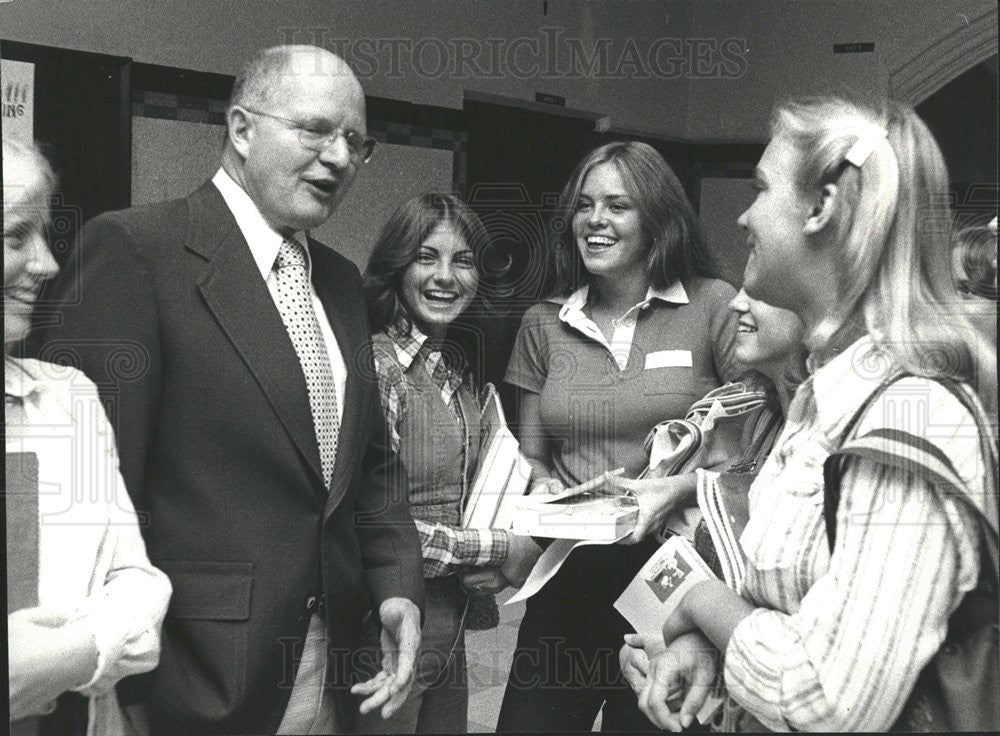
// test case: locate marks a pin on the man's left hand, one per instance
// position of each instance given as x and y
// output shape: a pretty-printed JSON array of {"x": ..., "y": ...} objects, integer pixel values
[{"x": 400, "y": 619}]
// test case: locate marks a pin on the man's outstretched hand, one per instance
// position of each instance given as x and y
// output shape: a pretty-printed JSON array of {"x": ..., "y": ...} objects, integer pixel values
[{"x": 400, "y": 619}]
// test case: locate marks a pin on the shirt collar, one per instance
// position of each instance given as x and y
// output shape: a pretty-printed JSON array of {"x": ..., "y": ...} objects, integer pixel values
[
  {"x": 18, "y": 380},
  {"x": 842, "y": 384},
  {"x": 262, "y": 239},
  {"x": 407, "y": 345},
  {"x": 575, "y": 302}
]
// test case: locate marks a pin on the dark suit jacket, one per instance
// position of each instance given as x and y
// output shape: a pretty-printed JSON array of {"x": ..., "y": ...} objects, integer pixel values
[{"x": 170, "y": 318}]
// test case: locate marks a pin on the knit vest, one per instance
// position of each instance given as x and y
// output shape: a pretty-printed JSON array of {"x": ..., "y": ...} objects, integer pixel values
[{"x": 431, "y": 443}]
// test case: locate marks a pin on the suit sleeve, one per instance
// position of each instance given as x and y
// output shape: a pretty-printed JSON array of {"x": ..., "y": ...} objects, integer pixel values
[{"x": 106, "y": 325}]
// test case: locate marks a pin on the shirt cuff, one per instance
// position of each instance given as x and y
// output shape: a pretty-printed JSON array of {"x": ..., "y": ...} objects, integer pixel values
[
  {"x": 480, "y": 547},
  {"x": 107, "y": 649},
  {"x": 752, "y": 669}
]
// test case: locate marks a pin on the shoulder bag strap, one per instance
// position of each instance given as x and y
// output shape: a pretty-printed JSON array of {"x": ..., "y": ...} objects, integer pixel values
[
  {"x": 912, "y": 453},
  {"x": 833, "y": 466}
]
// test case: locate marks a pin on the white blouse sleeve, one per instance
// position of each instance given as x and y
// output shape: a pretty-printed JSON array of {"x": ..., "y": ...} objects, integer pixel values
[
  {"x": 128, "y": 597},
  {"x": 905, "y": 554}
]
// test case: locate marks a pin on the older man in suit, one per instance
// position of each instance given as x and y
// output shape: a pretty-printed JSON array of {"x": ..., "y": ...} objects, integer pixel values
[{"x": 248, "y": 419}]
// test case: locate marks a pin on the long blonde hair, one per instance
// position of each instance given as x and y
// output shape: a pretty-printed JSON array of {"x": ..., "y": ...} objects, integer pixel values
[{"x": 892, "y": 229}]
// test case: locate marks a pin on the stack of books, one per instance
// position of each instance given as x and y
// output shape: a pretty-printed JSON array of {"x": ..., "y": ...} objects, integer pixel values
[{"x": 589, "y": 511}]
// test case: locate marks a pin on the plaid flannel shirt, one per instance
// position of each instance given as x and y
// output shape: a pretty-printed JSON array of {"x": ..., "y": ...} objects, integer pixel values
[{"x": 446, "y": 549}]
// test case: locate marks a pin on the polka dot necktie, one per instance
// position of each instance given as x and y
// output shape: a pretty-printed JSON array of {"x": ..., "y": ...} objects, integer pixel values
[{"x": 296, "y": 308}]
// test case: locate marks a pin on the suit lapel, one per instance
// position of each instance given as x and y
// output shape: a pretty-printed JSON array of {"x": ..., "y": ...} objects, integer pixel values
[
  {"x": 239, "y": 300},
  {"x": 345, "y": 311}
]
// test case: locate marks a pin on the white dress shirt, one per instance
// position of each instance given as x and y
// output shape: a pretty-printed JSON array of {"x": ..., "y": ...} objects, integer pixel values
[{"x": 264, "y": 242}]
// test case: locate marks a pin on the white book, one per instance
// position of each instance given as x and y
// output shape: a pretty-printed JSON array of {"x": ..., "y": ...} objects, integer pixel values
[
  {"x": 502, "y": 472},
  {"x": 591, "y": 511},
  {"x": 657, "y": 589},
  {"x": 585, "y": 516}
]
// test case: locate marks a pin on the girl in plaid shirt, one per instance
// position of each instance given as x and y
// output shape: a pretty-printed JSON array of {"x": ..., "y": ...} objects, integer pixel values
[{"x": 421, "y": 277}]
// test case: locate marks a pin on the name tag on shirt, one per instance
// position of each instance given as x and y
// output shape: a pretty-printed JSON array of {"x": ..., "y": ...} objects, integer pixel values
[{"x": 668, "y": 359}]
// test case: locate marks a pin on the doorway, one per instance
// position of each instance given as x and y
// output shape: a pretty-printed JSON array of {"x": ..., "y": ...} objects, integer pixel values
[
  {"x": 518, "y": 161},
  {"x": 962, "y": 115}
]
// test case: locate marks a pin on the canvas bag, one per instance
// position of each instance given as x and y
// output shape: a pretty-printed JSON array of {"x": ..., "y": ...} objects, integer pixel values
[
  {"x": 957, "y": 690},
  {"x": 712, "y": 433}
]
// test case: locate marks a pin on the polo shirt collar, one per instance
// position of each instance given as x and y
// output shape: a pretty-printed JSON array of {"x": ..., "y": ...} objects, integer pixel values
[
  {"x": 575, "y": 302},
  {"x": 263, "y": 240}
]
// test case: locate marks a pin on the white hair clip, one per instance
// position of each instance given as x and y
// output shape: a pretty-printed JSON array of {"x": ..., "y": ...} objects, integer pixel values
[{"x": 864, "y": 145}]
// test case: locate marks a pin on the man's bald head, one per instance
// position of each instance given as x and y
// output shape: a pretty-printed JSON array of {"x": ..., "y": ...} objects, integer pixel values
[
  {"x": 264, "y": 75},
  {"x": 285, "y": 100}
]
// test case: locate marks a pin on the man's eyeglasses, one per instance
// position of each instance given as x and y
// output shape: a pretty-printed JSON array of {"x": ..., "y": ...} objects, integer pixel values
[{"x": 361, "y": 147}]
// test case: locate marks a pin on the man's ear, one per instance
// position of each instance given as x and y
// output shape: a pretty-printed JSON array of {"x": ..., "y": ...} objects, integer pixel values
[
  {"x": 240, "y": 130},
  {"x": 821, "y": 210}
]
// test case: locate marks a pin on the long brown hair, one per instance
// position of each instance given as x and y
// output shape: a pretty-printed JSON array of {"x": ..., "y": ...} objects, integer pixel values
[
  {"x": 677, "y": 248},
  {"x": 399, "y": 243}
]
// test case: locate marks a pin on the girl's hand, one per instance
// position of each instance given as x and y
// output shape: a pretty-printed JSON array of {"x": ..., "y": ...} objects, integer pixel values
[
  {"x": 47, "y": 657},
  {"x": 657, "y": 497},
  {"x": 522, "y": 554},
  {"x": 541, "y": 486},
  {"x": 483, "y": 580},
  {"x": 680, "y": 679},
  {"x": 634, "y": 659}
]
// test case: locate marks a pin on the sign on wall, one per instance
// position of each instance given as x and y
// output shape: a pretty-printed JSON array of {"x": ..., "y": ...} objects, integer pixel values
[{"x": 17, "y": 98}]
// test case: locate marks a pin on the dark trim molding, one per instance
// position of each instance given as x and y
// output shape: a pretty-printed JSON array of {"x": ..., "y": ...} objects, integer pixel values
[
  {"x": 515, "y": 103},
  {"x": 125, "y": 139},
  {"x": 187, "y": 82},
  {"x": 400, "y": 111}
]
